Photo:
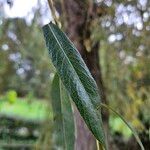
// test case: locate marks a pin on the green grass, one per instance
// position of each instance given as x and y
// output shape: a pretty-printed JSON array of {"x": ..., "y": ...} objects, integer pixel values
[{"x": 36, "y": 110}]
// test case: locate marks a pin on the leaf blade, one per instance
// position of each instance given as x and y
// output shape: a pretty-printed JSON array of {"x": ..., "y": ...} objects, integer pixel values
[
  {"x": 64, "y": 130},
  {"x": 75, "y": 77}
]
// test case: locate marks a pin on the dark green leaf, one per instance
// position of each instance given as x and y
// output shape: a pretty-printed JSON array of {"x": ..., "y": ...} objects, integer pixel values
[
  {"x": 76, "y": 78},
  {"x": 64, "y": 130}
]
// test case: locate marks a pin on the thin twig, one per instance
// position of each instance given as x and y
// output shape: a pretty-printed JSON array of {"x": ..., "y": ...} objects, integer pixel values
[
  {"x": 52, "y": 8},
  {"x": 63, "y": 15}
]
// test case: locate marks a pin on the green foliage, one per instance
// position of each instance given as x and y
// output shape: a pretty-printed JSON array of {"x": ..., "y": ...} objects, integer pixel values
[
  {"x": 11, "y": 96},
  {"x": 125, "y": 63},
  {"x": 30, "y": 96},
  {"x": 76, "y": 78},
  {"x": 64, "y": 128},
  {"x": 22, "y": 109},
  {"x": 117, "y": 125},
  {"x": 24, "y": 65},
  {"x": 127, "y": 124}
]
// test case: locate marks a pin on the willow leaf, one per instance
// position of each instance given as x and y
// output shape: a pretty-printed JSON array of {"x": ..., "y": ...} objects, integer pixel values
[
  {"x": 75, "y": 77},
  {"x": 64, "y": 130},
  {"x": 124, "y": 120}
]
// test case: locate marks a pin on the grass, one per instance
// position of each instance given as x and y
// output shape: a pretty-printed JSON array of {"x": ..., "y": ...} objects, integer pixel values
[{"x": 36, "y": 110}]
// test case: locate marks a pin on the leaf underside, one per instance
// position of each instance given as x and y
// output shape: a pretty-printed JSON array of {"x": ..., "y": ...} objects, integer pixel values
[
  {"x": 64, "y": 129},
  {"x": 76, "y": 78}
]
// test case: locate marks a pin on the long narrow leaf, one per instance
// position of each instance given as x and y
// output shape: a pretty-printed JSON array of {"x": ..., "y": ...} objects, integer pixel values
[
  {"x": 124, "y": 120},
  {"x": 64, "y": 130},
  {"x": 75, "y": 77}
]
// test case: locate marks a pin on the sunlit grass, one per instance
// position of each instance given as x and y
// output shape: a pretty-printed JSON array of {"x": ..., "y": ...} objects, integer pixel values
[{"x": 36, "y": 110}]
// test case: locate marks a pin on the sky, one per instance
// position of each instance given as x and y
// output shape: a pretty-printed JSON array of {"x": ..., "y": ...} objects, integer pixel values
[
  {"x": 25, "y": 8},
  {"x": 20, "y": 8}
]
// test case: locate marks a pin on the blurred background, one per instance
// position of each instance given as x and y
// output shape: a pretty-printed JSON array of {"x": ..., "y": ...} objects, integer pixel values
[{"x": 26, "y": 71}]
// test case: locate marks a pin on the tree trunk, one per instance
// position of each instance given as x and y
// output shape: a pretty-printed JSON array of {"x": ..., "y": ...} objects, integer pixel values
[{"x": 79, "y": 17}]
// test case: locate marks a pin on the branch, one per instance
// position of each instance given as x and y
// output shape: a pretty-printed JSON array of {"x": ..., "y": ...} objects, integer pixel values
[{"x": 53, "y": 10}]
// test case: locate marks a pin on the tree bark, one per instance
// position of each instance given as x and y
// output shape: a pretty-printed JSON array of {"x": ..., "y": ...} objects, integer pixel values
[{"x": 79, "y": 17}]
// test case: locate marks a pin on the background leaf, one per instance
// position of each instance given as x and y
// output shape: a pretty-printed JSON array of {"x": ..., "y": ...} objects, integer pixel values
[
  {"x": 126, "y": 122},
  {"x": 64, "y": 130},
  {"x": 76, "y": 78}
]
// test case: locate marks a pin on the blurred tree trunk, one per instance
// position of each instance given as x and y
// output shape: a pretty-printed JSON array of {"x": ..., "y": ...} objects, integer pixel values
[{"x": 79, "y": 19}]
